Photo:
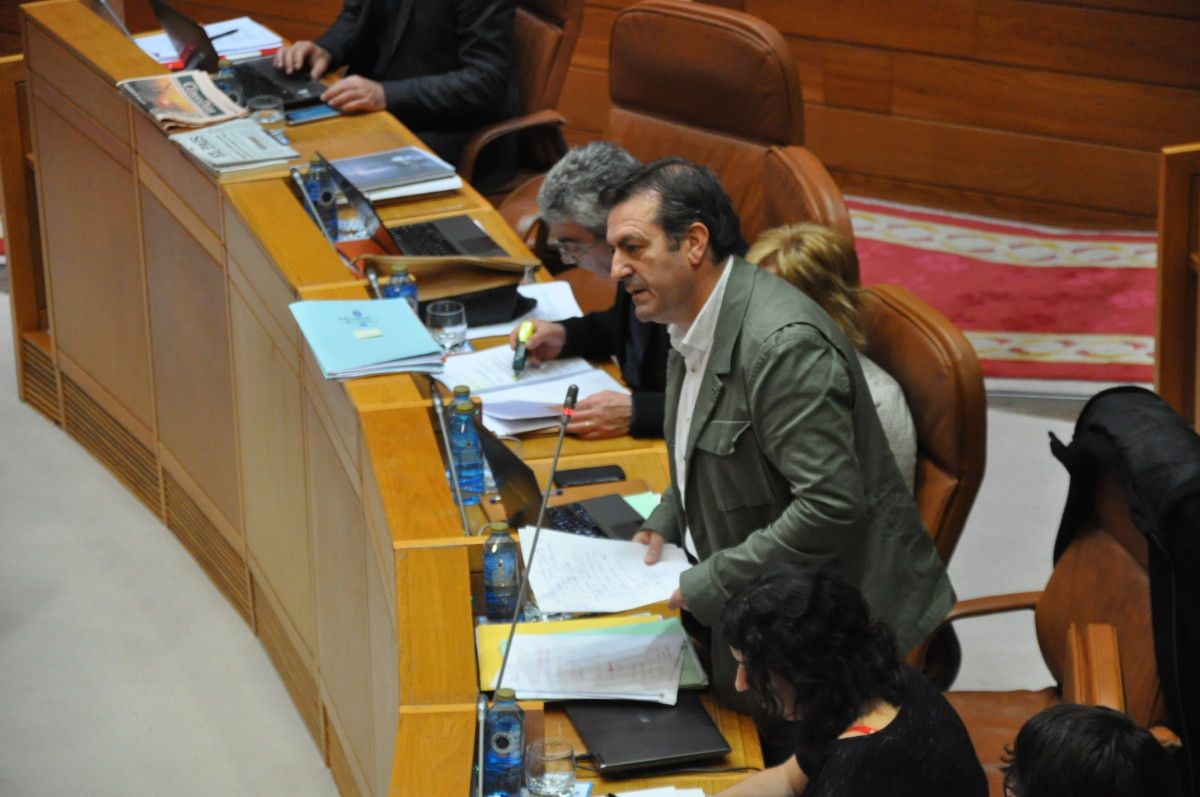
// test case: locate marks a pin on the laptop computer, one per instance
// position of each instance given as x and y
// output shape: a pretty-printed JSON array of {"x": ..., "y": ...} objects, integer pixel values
[
  {"x": 453, "y": 235},
  {"x": 603, "y": 516},
  {"x": 625, "y": 736},
  {"x": 257, "y": 75}
]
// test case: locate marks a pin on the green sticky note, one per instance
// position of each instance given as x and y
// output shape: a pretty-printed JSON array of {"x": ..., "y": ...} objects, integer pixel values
[{"x": 643, "y": 503}]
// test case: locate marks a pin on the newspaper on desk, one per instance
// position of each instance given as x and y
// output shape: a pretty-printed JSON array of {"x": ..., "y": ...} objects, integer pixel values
[{"x": 182, "y": 99}]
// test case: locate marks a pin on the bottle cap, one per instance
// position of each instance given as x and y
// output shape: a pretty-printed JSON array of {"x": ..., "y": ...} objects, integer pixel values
[
  {"x": 465, "y": 405},
  {"x": 462, "y": 391},
  {"x": 315, "y": 159},
  {"x": 399, "y": 270},
  {"x": 507, "y": 695},
  {"x": 499, "y": 525}
]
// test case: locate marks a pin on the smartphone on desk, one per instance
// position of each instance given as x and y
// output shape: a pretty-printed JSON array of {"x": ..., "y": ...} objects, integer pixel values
[{"x": 575, "y": 477}]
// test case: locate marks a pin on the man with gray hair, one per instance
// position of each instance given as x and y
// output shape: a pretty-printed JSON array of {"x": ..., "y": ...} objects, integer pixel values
[{"x": 569, "y": 201}]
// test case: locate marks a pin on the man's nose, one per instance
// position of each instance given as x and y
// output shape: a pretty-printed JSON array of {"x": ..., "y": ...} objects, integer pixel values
[{"x": 620, "y": 266}]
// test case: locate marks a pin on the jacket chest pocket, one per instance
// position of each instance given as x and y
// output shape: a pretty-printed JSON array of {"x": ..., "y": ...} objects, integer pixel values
[{"x": 728, "y": 461}]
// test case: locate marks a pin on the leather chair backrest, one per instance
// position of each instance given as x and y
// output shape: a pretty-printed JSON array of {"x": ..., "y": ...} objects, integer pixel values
[
  {"x": 939, "y": 372},
  {"x": 544, "y": 36},
  {"x": 1103, "y": 577},
  {"x": 715, "y": 86}
]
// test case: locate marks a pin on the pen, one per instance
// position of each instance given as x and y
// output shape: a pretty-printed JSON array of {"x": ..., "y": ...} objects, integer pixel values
[
  {"x": 523, "y": 335},
  {"x": 223, "y": 34}
]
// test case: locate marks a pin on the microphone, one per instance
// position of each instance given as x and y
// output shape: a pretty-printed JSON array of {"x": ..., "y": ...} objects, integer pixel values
[
  {"x": 567, "y": 411},
  {"x": 372, "y": 274},
  {"x": 440, "y": 409},
  {"x": 481, "y": 706}
]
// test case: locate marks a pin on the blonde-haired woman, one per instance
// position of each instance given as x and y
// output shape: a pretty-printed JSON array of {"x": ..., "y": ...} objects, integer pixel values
[{"x": 822, "y": 263}]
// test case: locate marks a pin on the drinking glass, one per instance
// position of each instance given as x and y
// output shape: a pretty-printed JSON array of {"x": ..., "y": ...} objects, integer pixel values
[
  {"x": 267, "y": 110},
  {"x": 550, "y": 768},
  {"x": 447, "y": 323}
]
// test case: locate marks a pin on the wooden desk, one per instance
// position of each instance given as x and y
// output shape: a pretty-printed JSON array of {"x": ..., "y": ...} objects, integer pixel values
[{"x": 319, "y": 508}]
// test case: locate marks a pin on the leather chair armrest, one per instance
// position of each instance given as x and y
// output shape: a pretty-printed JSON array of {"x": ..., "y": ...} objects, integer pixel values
[
  {"x": 544, "y": 118},
  {"x": 1166, "y": 737},
  {"x": 975, "y": 607},
  {"x": 1092, "y": 675}
]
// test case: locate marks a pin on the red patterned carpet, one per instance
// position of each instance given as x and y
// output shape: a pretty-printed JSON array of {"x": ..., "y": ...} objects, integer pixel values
[{"x": 1036, "y": 302}]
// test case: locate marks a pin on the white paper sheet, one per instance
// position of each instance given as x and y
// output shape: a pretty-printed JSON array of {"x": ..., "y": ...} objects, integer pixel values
[
  {"x": 492, "y": 369},
  {"x": 248, "y": 39},
  {"x": 555, "y": 301},
  {"x": 597, "y": 666},
  {"x": 571, "y": 573}
]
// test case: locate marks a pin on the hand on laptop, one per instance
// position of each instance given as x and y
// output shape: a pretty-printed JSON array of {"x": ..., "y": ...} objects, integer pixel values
[
  {"x": 294, "y": 56},
  {"x": 600, "y": 415},
  {"x": 355, "y": 94}
]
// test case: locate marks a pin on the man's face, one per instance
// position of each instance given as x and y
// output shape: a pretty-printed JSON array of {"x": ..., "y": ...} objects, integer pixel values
[
  {"x": 577, "y": 246},
  {"x": 660, "y": 280}
]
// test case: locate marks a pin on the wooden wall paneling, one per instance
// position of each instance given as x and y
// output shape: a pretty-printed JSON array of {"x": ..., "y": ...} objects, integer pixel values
[
  {"x": 271, "y": 446},
  {"x": 991, "y": 96},
  {"x": 340, "y": 558},
  {"x": 93, "y": 265},
  {"x": 1051, "y": 170},
  {"x": 435, "y": 740},
  {"x": 385, "y": 663},
  {"x": 1090, "y": 41},
  {"x": 190, "y": 343},
  {"x": 1177, "y": 356}
]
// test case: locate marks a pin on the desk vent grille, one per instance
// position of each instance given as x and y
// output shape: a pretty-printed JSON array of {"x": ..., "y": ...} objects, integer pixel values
[
  {"x": 40, "y": 380},
  {"x": 301, "y": 685},
  {"x": 109, "y": 442},
  {"x": 223, "y": 564}
]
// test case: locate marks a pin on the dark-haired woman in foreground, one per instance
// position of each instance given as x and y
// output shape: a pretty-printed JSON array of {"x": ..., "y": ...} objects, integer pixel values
[{"x": 866, "y": 724}]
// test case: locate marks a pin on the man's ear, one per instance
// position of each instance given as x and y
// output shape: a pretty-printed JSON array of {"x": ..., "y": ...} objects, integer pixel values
[{"x": 696, "y": 244}]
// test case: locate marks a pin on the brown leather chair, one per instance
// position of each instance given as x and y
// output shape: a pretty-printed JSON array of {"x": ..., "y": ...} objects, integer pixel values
[
  {"x": 1094, "y": 631},
  {"x": 737, "y": 109},
  {"x": 544, "y": 36},
  {"x": 937, "y": 368}
]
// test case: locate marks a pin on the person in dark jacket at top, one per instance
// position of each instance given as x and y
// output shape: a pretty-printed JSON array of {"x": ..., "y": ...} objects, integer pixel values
[{"x": 569, "y": 202}]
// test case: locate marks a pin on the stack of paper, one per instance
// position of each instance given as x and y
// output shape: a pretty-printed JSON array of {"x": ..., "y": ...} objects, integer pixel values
[
  {"x": 235, "y": 39},
  {"x": 513, "y": 405},
  {"x": 490, "y": 639},
  {"x": 598, "y": 665},
  {"x": 366, "y": 337}
]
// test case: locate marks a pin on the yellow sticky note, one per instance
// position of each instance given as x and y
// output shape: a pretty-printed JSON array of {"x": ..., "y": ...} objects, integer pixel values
[{"x": 363, "y": 334}]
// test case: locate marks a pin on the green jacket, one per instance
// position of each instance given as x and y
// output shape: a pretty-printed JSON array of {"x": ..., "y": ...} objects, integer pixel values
[{"x": 787, "y": 461}]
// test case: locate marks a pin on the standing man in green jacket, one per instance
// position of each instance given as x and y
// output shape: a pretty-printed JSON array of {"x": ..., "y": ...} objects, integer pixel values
[{"x": 776, "y": 452}]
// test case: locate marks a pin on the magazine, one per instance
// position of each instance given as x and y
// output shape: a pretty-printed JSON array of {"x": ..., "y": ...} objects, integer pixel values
[
  {"x": 394, "y": 173},
  {"x": 184, "y": 99},
  {"x": 240, "y": 146}
]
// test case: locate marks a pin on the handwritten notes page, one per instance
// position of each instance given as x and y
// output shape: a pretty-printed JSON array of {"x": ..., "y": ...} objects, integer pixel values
[
  {"x": 575, "y": 574},
  {"x": 598, "y": 666}
]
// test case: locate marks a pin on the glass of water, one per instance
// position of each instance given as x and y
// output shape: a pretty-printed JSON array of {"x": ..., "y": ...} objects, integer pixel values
[
  {"x": 267, "y": 110},
  {"x": 550, "y": 768},
  {"x": 446, "y": 320}
]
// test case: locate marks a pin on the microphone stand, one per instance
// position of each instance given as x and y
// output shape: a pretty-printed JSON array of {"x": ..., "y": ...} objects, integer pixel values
[
  {"x": 440, "y": 409},
  {"x": 567, "y": 411},
  {"x": 372, "y": 274}
]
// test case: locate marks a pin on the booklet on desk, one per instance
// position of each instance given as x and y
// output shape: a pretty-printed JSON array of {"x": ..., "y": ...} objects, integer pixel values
[
  {"x": 240, "y": 146},
  {"x": 366, "y": 337},
  {"x": 395, "y": 173}
]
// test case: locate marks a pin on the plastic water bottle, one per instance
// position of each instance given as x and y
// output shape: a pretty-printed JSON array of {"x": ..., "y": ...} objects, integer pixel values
[
  {"x": 402, "y": 286},
  {"x": 467, "y": 451},
  {"x": 504, "y": 743},
  {"x": 500, "y": 582},
  {"x": 322, "y": 191}
]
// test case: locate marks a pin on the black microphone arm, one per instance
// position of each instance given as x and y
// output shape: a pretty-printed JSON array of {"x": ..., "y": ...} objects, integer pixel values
[
  {"x": 440, "y": 409},
  {"x": 567, "y": 411}
]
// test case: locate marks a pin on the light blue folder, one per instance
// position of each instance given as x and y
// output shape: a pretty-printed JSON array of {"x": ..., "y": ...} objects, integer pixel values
[{"x": 367, "y": 336}]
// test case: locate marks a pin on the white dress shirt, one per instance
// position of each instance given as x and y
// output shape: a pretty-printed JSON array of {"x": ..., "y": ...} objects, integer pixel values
[{"x": 693, "y": 342}]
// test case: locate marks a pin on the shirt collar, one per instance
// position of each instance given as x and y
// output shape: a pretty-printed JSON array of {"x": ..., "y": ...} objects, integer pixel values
[{"x": 694, "y": 341}]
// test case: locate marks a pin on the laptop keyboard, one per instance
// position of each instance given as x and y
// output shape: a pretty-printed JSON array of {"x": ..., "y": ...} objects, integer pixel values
[
  {"x": 255, "y": 84},
  {"x": 574, "y": 519},
  {"x": 423, "y": 239}
]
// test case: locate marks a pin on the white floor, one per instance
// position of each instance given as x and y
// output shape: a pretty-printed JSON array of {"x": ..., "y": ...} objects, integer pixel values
[{"x": 120, "y": 664}]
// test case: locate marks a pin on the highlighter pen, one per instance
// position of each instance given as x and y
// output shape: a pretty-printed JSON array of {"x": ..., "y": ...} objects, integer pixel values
[{"x": 523, "y": 335}]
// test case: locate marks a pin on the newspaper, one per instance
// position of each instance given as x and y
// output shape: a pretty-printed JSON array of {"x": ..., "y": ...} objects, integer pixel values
[
  {"x": 236, "y": 146},
  {"x": 182, "y": 99}
]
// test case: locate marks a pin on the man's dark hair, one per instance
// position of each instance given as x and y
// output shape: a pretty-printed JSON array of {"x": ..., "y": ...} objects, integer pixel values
[
  {"x": 1072, "y": 751},
  {"x": 812, "y": 631},
  {"x": 688, "y": 193}
]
